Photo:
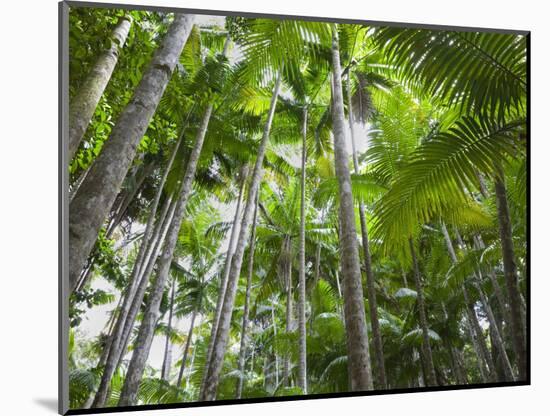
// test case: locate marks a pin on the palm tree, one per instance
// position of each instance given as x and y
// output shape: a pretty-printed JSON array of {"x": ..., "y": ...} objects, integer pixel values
[
  {"x": 209, "y": 390},
  {"x": 145, "y": 337},
  {"x": 426, "y": 347},
  {"x": 227, "y": 264},
  {"x": 486, "y": 130},
  {"x": 277, "y": 35},
  {"x": 167, "y": 361},
  {"x": 364, "y": 110},
  {"x": 85, "y": 101},
  {"x": 246, "y": 155},
  {"x": 510, "y": 274},
  {"x": 199, "y": 244},
  {"x": 358, "y": 347},
  {"x": 152, "y": 239},
  {"x": 243, "y": 346},
  {"x": 98, "y": 191}
]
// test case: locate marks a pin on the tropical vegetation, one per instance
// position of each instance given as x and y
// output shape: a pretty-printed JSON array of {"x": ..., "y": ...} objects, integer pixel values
[{"x": 269, "y": 207}]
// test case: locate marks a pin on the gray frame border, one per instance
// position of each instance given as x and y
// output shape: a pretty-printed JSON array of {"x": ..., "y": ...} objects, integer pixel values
[{"x": 63, "y": 202}]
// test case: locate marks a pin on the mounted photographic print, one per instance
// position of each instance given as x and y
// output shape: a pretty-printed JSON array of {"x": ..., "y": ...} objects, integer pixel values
[{"x": 262, "y": 208}]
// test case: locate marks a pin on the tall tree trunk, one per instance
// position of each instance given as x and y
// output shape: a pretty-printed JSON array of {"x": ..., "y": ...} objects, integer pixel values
[
  {"x": 302, "y": 363},
  {"x": 122, "y": 202},
  {"x": 85, "y": 101},
  {"x": 186, "y": 349},
  {"x": 496, "y": 338},
  {"x": 458, "y": 365},
  {"x": 111, "y": 324},
  {"x": 99, "y": 189},
  {"x": 147, "y": 328},
  {"x": 242, "y": 350},
  {"x": 511, "y": 277},
  {"x": 147, "y": 271},
  {"x": 481, "y": 361},
  {"x": 338, "y": 286},
  {"x": 127, "y": 316},
  {"x": 289, "y": 306},
  {"x": 488, "y": 309},
  {"x": 480, "y": 244},
  {"x": 359, "y": 367},
  {"x": 479, "y": 336},
  {"x": 373, "y": 304},
  {"x": 497, "y": 361},
  {"x": 317, "y": 265},
  {"x": 274, "y": 353},
  {"x": 420, "y": 379},
  {"x": 477, "y": 333},
  {"x": 225, "y": 275},
  {"x": 173, "y": 224},
  {"x": 167, "y": 362},
  {"x": 138, "y": 284},
  {"x": 209, "y": 388},
  {"x": 426, "y": 348}
]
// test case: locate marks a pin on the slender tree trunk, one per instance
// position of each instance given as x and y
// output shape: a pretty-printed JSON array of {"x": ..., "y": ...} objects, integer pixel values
[
  {"x": 458, "y": 365},
  {"x": 511, "y": 277},
  {"x": 373, "y": 304},
  {"x": 478, "y": 336},
  {"x": 426, "y": 348},
  {"x": 274, "y": 353},
  {"x": 103, "y": 358},
  {"x": 482, "y": 186},
  {"x": 146, "y": 273},
  {"x": 225, "y": 275},
  {"x": 242, "y": 350},
  {"x": 252, "y": 359},
  {"x": 128, "y": 195},
  {"x": 420, "y": 379},
  {"x": 338, "y": 286},
  {"x": 186, "y": 349},
  {"x": 289, "y": 306},
  {"x": 76, "y": 184},
  {"x": 508, "y": 372},
  {"x": 496, "y": 356},
  {"x": 209, "y": 388},
  {"x": 480, "y": 244},
  {"x": 461, "y": 366},
  {"x": 192, "y": 363},
  {"x": 317, "y": 265},
  {"x": 454, "y": 370},
  {"x": 483, "y": 371},
  {"x": 492, "y": 321},
  {"x": 359, "y": 367},
  {"x": 84, "y": 103},
  {"x": 147, "y": 328},
  {"x": 146, "y": 332},
  {"x": 167, "y": 362},
  {"x": 138, "y": 283},
  {"x": 99, "y": 189},
  {"x": 302, "y": 363},
  {"x": 111, "y": 324}
]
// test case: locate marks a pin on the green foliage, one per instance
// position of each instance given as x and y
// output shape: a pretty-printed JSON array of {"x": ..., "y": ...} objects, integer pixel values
[
  {"x": 483, "y": 73},
  {"x": 439, "y": 114}
]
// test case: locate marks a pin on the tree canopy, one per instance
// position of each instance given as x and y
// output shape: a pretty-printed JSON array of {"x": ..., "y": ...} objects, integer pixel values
[{"x": 269, "y": 207}]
